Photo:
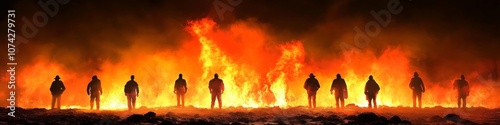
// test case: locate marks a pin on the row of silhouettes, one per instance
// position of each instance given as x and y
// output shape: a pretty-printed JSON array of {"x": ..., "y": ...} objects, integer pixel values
[
  {"x": 339, "y": 88},
  {"x": 131, "y": 90},
  {"x": 216, "y": 88}
]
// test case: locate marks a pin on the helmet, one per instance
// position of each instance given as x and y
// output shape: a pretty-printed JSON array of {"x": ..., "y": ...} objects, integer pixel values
[{"x": 311, "y": 75}]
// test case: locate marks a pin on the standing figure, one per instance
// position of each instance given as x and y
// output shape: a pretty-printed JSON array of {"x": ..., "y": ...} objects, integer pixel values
[
  {"x": 94, "y": 89},
  {"x": 340, "y": 88},
  {"x": 131, "y": 91},
  {"x": 371, "y": 91},
  {"x": 57, "y": 88},
  {"x": 180, "y": 89},
  {"x": 311, "y": 85},
  {"x": 216, "y": 88},
  {"x": 462, "y": 88},
  {"x": 418, "y": 88}
]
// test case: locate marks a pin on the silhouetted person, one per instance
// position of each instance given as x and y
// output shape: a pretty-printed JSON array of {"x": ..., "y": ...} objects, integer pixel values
[
  {"x": 311, "y": 85},
  {"x": 131, "y": 91},
  {"x": 340, "y": 88},
  {"x": 57, "y": 88},
  {"x": 180, "y": 88},
  {"x": 371, "y": 91},
  {"x": 462, "y": 88},
  {"x": 216, "y": 88},
  {"x": 94, "y": 89},
  {"x": 418, "y": 88}
]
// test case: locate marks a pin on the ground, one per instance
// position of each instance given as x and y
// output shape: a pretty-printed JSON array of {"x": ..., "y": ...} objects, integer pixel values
[{"x": 271, "y": 115}]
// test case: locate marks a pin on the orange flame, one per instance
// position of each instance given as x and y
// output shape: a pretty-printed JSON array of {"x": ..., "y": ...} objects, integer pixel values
[{"x": 256, "y": 73}]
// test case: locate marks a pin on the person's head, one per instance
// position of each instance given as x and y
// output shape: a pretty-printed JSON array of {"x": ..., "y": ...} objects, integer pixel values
[
  {"x": 415, "y": 74},
  {"x": 370, "y": 77},
  {"x": 94, "y": 77},
  {"x": 180, "y": 76},
  {"x": 132, "y": 77},
  {"x": 57, "y": 77},
  {"x": 216, "y": 75},
  {"x": 462, "y": 77},
  {"x": 338, "y": 76}
]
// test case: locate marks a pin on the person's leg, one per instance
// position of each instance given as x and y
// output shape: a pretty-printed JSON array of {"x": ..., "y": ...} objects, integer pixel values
[
  {"x": 419, "y": 96},
  {"x": 134, "y": 98},
  {"x": 98, "y": 102},
  {"x": 59, "y": 102},
  {"x": 213, "y": 101},
  {"x": 309, "y": 100},
  {"x": 414, "y": 100},
  {"x": 91, "y": 102},
  {"x": 342, "y": 102},
  {"x": 464, "y": 102},
  {"x": 337, "y": 101},
  {"x": 220, "y": 100},
  {"x": 178, "y": 100},
  {"x": 314, "y": 100},
  {"x": 129, "y": 103},
  {"x": 458, "y": 101},
  {"x": 182, "y": 98},
  {"x": 375, "y": 101},
  {"x": 53, "y": 101},
  {"x": 370, "y": 102}
]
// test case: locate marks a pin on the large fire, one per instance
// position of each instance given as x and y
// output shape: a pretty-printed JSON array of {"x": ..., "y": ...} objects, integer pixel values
[{"x": 257, "y": 70}]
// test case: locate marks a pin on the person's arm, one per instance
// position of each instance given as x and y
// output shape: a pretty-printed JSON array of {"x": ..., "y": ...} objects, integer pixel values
[
  {"x": 88, "y": 88},
  {"x": 317, "y": 83},
  {"x": 305, "y": 85},
  {"x": 210, "y": 86},
  {"x": 222, "y": 87},
  {"x": 137, "y": 86},
  {"x": 185, "y": 86},
  {"x": 175, "y": 87},
  {"x": 331, "y": 88},
  {"x": 366, "y": 87},
  {"x": 125, "y": 88},
  {"x": 423, "y": 87},
  {"x": 468, "y": 87},
  {"x": 52, "y": 87},
  {"x": 411, "y": 84},
  {"x": 100, "y": 88},
  {"x": 345, "y": 87},
  {"x": 63, "y": 87}
]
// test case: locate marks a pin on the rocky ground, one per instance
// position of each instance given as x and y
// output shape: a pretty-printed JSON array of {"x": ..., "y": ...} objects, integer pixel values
[{"x": 272, "y": 115}]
